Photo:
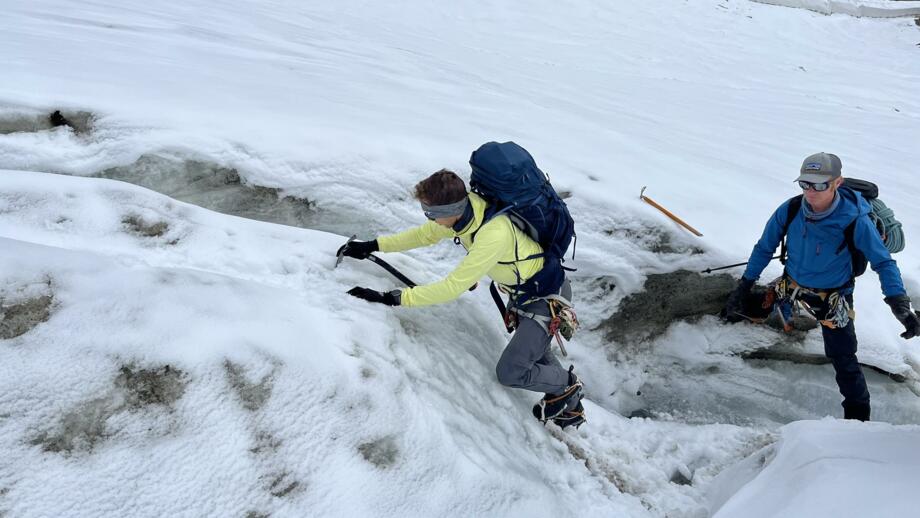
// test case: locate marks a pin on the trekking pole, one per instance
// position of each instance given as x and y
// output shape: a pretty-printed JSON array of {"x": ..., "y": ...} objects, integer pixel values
[
  {"x": 710, "y": 270},
  {"x": 668, "y": 213}
]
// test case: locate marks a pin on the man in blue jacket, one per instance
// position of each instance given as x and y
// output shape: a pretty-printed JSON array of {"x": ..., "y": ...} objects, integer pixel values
[{"x": 819, "y": 269}]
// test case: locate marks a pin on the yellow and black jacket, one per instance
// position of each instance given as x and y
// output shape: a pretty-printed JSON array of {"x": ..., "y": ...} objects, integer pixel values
[{"x": 497, "y": 241}]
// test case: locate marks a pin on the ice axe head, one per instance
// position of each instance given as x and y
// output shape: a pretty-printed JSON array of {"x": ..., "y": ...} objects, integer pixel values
[{"x": 341, "y": 253}]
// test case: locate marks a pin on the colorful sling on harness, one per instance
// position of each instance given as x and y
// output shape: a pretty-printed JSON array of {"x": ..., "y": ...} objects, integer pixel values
[{"x": 829, "y": 307}]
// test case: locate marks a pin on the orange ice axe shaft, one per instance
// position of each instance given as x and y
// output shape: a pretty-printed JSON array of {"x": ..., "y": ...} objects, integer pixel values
[{"x": 668, "y": 213}]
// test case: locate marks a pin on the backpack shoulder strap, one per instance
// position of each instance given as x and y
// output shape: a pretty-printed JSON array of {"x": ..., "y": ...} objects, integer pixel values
[
  {"x": 489, "y": 214},
  {"x": 795, "y": 205},
  {"x": 857, "y": 257},
  {"x": 849, "y": 241},
  {"x": 848, "y": 236}
]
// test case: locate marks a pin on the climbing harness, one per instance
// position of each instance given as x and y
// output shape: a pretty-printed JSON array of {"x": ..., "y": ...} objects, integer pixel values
[
  {"x": 829, "y": 307},
  {"x": 562, "y": 321}
]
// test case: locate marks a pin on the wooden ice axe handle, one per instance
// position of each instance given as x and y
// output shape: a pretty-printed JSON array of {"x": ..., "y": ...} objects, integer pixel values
[{"x": 668, "y": 213}]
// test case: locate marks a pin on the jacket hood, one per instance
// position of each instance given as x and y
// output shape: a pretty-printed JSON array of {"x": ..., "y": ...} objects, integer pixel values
[{"x": 852, "y": 204}]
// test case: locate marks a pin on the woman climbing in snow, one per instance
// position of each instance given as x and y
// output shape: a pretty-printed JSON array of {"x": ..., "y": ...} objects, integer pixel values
[{"x": 497, "y": 246}]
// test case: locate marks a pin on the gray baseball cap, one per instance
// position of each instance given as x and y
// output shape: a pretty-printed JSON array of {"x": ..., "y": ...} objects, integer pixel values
[{"x": 819, "y": 168}]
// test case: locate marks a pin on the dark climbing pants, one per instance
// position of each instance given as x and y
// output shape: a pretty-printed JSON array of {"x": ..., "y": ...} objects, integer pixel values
[
  {"x": 840, "y": 347},
  {"x": 528, "y": 362}
]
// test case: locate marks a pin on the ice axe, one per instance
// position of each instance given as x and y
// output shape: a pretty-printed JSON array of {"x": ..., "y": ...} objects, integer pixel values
[
  {"x": 393, "y": 271},
  {"x": 380, "y": 262},
  {"x": 385, "y": 265},
  {"x": 668, "y": 213},
  {"x": 341, "y": 253}
]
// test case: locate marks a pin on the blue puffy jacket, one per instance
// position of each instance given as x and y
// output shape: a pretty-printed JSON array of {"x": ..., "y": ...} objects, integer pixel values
[{"x": 817, "y": 255}]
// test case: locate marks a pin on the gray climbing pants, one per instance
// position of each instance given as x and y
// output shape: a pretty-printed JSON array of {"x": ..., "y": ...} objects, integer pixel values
[{"x": 528, "y": 362}]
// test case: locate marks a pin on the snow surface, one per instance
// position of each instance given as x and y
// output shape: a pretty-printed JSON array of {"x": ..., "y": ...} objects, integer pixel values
[
  {"x": 297, "y": 400},
  {"x": 215, "y": 289},
  {"x": 827, "y": 468},
  {"x": 874, "y": 8}
]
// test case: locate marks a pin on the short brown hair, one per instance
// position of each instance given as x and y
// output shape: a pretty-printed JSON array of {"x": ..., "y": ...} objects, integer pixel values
[{"x": 441, "y": 188}]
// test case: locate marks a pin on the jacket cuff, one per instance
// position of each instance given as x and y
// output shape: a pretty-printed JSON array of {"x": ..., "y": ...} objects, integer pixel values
[
  {"x": 746, "y": 284},
  {"x": 897, "y": 300}
]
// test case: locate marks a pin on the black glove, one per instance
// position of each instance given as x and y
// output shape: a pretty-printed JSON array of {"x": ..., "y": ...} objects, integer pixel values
[
  {"x": 358, "y": 249},
  {"x": 734, "y": 308},
  {"x": 390, "y": 298},
  {"x": 900, "y": 306}
]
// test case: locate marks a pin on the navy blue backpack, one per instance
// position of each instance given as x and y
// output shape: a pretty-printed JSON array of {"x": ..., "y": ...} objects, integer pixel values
[{"x": 507, "y": 177}]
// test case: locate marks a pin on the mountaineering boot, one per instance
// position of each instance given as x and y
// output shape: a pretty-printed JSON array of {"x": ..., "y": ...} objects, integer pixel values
[
  {"x": 554, "y": 405},
  {"x": 574, "y": 417},
  {"x": 859, "y": 411}
]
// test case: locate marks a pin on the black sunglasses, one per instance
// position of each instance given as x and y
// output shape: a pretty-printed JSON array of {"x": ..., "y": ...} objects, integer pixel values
[{"x": 820, "y": 187}]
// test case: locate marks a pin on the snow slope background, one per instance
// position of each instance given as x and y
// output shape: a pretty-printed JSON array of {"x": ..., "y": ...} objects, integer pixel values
[
  {"x": 202, "y": 364},
  {"x": 872, "y": 8}
]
